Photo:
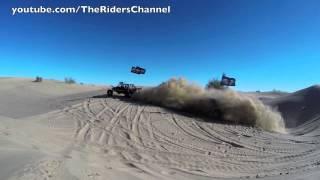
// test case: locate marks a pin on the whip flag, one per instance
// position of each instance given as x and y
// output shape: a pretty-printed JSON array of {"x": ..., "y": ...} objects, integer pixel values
[
  {"x": 138, "y": 70},
  {"x": 227, "y": 81}
]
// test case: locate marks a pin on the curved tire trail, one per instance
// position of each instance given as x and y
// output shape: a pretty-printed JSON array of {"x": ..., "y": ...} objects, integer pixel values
[{"x": 151, "y": 136}]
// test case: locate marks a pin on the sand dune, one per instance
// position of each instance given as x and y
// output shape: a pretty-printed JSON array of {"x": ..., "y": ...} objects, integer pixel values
[
  {"x": 299, "y": 107},
  {"x": 20, "y": 97},
  {"x": 113, "y": 138}
]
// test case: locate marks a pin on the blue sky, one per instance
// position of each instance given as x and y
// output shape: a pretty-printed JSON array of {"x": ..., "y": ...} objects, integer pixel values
[{"x": 265, "y": 44}]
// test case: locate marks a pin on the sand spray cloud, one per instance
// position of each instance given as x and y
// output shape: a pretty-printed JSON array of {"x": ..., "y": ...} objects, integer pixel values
[{"x": 226, "y": 104}]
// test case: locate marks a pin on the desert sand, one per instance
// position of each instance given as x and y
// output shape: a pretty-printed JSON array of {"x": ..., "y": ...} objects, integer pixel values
[{"x": 52, "y": 130}]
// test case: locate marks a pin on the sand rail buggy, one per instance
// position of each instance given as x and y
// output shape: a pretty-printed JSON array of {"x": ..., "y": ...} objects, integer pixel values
[{"x": 127, "y": 89}]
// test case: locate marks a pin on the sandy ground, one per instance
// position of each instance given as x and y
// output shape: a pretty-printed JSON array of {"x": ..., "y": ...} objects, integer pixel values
[{"x": 77, "y": 137}]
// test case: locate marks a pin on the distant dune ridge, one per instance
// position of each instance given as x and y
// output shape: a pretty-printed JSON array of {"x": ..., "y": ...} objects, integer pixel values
[
  {"x": 21, "y": 97},
  {"x": 227, "y": 104}
]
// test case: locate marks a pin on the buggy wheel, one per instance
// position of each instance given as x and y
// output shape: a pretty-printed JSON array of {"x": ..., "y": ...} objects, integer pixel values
[{"x": 110, "y": 93}]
